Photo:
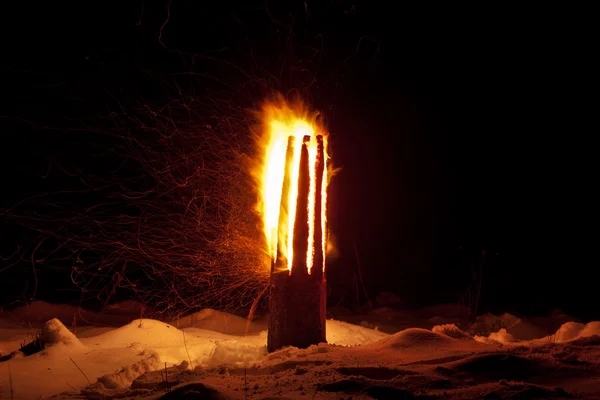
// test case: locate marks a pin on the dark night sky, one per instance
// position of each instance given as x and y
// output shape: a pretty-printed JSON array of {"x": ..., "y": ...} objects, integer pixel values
[{"x": 452, "y": 129}]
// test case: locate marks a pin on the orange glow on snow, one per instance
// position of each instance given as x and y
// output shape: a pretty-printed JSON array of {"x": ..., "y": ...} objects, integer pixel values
[{"x": 280, "y": 122}]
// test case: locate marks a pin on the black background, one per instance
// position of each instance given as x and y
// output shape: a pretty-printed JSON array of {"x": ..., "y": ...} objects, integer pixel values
[{"x": 456, "y": 131}]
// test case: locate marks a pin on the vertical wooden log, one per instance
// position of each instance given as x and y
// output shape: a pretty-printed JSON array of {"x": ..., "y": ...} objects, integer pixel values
[
  {"x": 297, "y": 300},
  {"x": 318, "y": 259},
  {"x": 281, "y": 262},
  {"x": 296, "y": 311},
  {"x": 301, "y": 222}
]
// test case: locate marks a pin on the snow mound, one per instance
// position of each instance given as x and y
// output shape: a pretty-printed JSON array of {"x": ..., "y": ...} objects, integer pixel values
[
  {"x": 503, "y": 336},
  {"x": 450, "y": 330},
  {"x": 574, "y": 330},
  {"x": 497, "y": 338},
  {"x": 234, "y": 352},
  {"x": 519, "y": 328},
  {"x": 590, "y": 329},
  {"x": 567, "y": 331},
  {"x": 345, "y": 334},
  {"x": 148, "y": 332},
  {"x": 120, "y": 381},
  {"x": 414, "y": 337},
  {"x": 54, "y": 332},
  {"x": 217, "y": 321}
]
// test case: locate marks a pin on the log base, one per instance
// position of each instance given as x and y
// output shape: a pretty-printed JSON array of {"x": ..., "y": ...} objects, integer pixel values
[{"x": 297, "y": 310}]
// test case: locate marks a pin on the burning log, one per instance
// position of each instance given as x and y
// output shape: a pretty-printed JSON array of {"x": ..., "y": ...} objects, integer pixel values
[
  {"x": 297, "y": 301},
  {"x": 319, "y": 254},
  {"x": 301, "y": 224},
  {"x": 285, "y": 194}
]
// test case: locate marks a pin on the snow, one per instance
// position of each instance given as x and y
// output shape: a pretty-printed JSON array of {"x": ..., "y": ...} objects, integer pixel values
[
  {"x": 571, "y": 331},
  {"x": 219, "y": 321},
  {"x": 54, "y": 332},
  {"x": 214, "y": 354},
  {"x": 345, "y": 334},
  {"x": 450, "y": 330}
]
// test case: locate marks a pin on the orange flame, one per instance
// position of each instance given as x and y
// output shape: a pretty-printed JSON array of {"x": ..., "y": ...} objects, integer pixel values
[{"x": 280, "y": 123}]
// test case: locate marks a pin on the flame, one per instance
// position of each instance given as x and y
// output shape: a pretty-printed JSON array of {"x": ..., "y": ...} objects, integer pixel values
[{"x": 280, "y": 123}]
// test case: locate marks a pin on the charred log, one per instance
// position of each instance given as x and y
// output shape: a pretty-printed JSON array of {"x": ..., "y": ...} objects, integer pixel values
[{"x": 297, "y": 300}]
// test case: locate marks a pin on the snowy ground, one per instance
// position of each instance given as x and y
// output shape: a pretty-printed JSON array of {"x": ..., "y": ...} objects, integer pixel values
[{"x": 409, "y": 355}]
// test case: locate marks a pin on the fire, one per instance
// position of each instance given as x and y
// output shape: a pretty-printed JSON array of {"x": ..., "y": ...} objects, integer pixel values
[{"x": 287, "y": 136}]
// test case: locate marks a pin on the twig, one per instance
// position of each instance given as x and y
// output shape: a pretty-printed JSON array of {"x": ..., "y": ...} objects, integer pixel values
[
  {"x": 12, "y": 394},
  {"x": 80, "y": 370},
  {"x": 186, "y": 350},
  {"x": 71, "y": 387},
  {"x": 253, "y": 308},
  {"x": 141, "y": 314},
  {"x": 113, "y": 289}
]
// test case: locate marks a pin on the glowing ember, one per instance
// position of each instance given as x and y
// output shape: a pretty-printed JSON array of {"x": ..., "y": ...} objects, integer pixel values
[{"x": 287, "y": 134}]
